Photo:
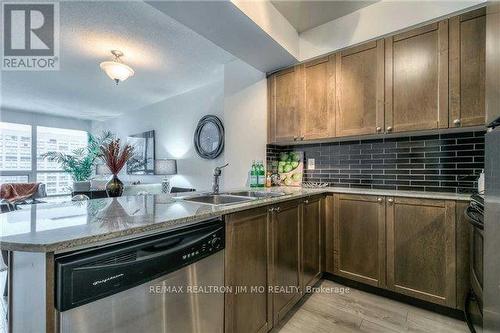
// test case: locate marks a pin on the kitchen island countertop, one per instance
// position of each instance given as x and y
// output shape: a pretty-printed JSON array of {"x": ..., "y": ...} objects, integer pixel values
[{"x": 67, "y": 226}]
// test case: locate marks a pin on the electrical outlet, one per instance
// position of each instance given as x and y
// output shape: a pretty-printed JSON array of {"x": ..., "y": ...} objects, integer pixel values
[{"x": 311, "y": 164}]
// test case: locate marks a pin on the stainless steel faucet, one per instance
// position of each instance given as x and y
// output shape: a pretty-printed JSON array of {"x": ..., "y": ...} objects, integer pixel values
[{"x": 217, "y": 173}]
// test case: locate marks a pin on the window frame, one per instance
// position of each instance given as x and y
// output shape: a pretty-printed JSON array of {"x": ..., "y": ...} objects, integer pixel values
[{"x": 32, "y": 173}]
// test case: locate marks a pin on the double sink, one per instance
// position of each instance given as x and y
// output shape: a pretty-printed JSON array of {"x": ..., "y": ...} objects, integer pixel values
[{"x": 232, "y": 198}]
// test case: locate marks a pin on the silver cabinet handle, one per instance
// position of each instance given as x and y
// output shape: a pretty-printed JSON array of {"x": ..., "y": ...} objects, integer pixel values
[
  {"x": 277, "y": 209},
  {"x": 306, "y": 201},
  {"x": 380, "y": 199},
  {"x": 390, "y": 200},
  {"x": 457, "y": 122},
  {"x": 379, "y": 129},
  {"x": 270, "y": 210},
  {"x": 389, "y": 128}
]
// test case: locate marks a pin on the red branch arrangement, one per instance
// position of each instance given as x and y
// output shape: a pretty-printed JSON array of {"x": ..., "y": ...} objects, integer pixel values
[{"x": 115, "y": 157}]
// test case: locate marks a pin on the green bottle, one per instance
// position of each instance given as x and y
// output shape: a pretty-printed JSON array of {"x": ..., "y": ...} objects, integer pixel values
[
  {"x": 253, "y": 175},
  {"x": 261, "y": 174}
]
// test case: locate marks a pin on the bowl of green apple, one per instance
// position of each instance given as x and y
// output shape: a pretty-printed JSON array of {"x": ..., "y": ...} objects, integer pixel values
[{"x": 290, "y": 168}]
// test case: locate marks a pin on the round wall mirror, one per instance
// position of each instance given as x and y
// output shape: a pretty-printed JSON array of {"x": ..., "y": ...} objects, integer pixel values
[{"x": 209, "y": 137}]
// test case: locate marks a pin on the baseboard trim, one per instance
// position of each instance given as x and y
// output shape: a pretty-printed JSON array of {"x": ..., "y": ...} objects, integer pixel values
[{"x": 446, "y": 311}]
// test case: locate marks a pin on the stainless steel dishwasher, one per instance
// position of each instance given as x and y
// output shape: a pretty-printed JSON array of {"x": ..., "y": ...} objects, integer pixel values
[{"x": 171, "y": 282}]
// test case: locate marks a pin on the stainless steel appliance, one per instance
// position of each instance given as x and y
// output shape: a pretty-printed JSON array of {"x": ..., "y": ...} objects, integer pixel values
[
  {"x": 166, "y": 283},
  {"x": 474, "y": 302},
  {"x": 491, "y": 307}
]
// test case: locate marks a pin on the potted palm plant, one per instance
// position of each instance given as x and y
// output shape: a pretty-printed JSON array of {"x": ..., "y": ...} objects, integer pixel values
[
  {"x": 80, "y": 162},
  {"x": 115, "y": 157}
]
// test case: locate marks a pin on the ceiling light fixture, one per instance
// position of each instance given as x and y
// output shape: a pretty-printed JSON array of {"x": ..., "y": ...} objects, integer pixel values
[{"x": 116, "y": 69}]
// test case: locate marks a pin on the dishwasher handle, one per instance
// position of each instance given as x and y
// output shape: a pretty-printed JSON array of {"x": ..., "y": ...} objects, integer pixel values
[{"x": 163, "y": 246}]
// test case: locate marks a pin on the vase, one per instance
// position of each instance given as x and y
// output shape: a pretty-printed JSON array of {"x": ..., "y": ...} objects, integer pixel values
[{"x": 114, "y": 188}]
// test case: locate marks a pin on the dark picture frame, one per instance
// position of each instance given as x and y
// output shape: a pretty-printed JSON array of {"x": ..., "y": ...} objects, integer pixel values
[{"x": 143, "y": 159}]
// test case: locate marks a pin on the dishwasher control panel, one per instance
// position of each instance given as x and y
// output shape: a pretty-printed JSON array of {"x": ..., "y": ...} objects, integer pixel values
[{"x": 212, "y": 243}]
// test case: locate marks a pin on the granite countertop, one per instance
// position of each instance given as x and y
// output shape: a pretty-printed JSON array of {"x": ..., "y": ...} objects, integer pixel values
[{"x": 61, "y": 227}]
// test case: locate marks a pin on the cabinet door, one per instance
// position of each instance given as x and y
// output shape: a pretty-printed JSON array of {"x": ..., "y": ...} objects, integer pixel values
[
  {"x": 285, "y": 105},
  {"x": 286, "y": 258},
  {"x": 248, "y": 253},
  {"x": 421, "y": 249},
  {"x": 360, "y": 89},
  {"x": 417, "y": 79},
  {"x": 360, "y": 238},
  {"x": 318, "y": 79},
  {"x": 312, "y": 219},
  {"x": 467, "y": 69}
]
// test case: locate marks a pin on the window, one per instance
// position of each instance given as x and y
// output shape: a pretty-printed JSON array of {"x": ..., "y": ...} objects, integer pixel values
[
  {"x": 15, "y": 147},
  {"x": 62, "y": 141},
  {"x": 59, "y": 140},
  {"x": 13, "y": 179},
  {"x": 56, "y": 183}
]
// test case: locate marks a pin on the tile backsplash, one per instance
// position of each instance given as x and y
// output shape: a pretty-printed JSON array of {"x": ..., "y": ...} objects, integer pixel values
[{"x": 448, "y": 162}]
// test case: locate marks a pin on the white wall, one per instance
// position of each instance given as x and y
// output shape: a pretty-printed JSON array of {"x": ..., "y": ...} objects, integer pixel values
[
  {"x": 174, "y": 121},
  {"x": 245, "y": 121},
  {"x": 239, "y": 98},
  {"x": 269, "y": 19},
  {"x": 376, "y": 20},
  {"x": 40, "y": 119}
]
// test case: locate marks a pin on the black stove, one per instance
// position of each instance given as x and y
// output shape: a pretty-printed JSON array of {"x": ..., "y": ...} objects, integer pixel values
[{"x": 474, "y": 302}]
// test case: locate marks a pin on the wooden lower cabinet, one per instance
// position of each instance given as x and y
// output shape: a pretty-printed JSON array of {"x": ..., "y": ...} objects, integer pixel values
[
  {"x": 406, "y": 245},
  {"x": 312, "y": 219},
  {"x": 286, "y": 258},
  {"x": 359, "y": 222},
  {"x": 247, "y": 263},
  {"x": 421, "y": 250},
  {"x": 278, "y": 247},
  {"x": 410, "y": 246}
]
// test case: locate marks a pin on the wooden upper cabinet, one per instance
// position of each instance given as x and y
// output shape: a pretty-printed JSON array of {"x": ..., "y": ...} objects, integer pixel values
[
  {"x": 318, "y": 112},
  {"x": 467, "y": 69},
  {"x": 359, "y": 222},
  {"x": 286, "y": 258},
  {"x": 426, "y": 78},
  {"x": 248, "y": 257},
  {"x": 416, "y": 65},
  {"x": 360, "y": 89},
  {"x": 312, "y": 219},
  {"x": 421, "y": 259},
  {"x": 285, "y": 105}
]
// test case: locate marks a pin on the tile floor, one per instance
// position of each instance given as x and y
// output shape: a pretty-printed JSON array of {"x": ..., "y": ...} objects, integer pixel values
[{"x": 358, "y": 311}]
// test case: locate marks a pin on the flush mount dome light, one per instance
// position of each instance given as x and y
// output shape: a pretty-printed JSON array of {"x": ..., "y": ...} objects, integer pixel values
[{"x": 116, "y": 69}]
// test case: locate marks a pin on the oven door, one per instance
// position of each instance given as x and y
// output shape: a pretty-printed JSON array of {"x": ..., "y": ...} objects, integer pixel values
[{"x": 474, "y": 303}]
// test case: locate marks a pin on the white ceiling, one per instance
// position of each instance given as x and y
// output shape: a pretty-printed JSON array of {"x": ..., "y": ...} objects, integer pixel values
[
  {"x": 306, "y": 14},
  {"x": 168, "y": 59}
]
